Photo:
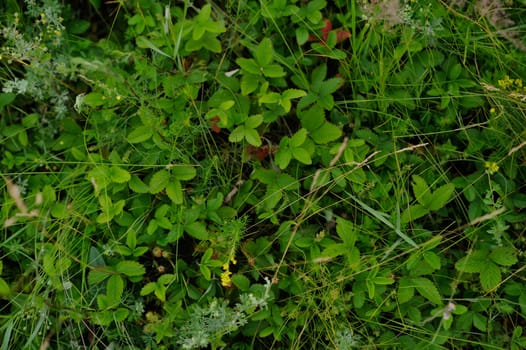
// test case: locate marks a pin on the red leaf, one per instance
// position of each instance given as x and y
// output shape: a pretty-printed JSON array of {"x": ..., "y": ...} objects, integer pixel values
[
  {"x": 214, "y": 124},
  {"x": 259, "y": 152},
  {"x": 326, "y": 30},
  {"x": 341, "y": 35}
]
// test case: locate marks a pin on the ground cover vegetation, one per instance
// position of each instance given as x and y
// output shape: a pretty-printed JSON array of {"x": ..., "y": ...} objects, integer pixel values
[{"x": 273, "y": 174}]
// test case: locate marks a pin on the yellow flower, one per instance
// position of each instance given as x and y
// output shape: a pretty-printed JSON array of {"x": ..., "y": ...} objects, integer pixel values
[
  {"x": 492, "y": 110},
  {"x": 505, "y": 82},
  {"x": 225, "y": 279},
  {"x": 491, "y": 167}
]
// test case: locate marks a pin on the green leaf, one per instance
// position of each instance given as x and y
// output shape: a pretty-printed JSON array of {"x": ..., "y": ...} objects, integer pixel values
[
  {"x": 326, "y": 133},
  {"x": 114, "y": 289},
  {"x": 298, "y": 138},
  {"x": 249, "y": 65},
  {"x": 302, "y": 155},
  {"x": 94, "y": 99},
  {"x": 421, "y": 191},
  {"x": 140, "y": 134},
  {"x": 264, "y": 52},
  {"x": 148, "y": 288},
  {"x": 302, "y": 35},
  {"x": 273, "y": 71},
  {"x": 383, "y": 280},
  {"x": 5, "y": 290},
  {"x": 97, "y": 276},
  {"x": 293, "y": 93},
  {"x": 252, "y": 137},
  {"x": 144, "y": 43},
  {"x": 6, "y": 99},
  {"x": 131, "y": 238},
  {"x": 240, "y": 281},
  {"x": 254, "y": 121},
  {"x": 312, "y": 118},
  {"x": 427, "y": 289},
  {"x": 238, "y": 134},
  {"x": 137, "y": 185},
  {"x": 412, "y": 213},
  {"x": 183, "y": 172},
  {"x": 119, "y": 175},
  {"x": 175, "y": 192},
  {"x": 130, "y": 268},
  {"x": 272, "y": 97},
  {"x": 441, "y": 196},
  {"x": 159, "y": 181},
  {"x": 490, "y": 276},
  {"x": 504, "y": 256},
  {"x": 333, "y": 250},
  {"x": 249, "y": 83},
  {"x": 283, "y": 157},
  {"x": 473, "y": 262},
  {"x": 432, "y": 259},
  {"x": 197, "y": 230},
  {"x": 406, "y": 290},
  {"x": 347, "y": 233}
]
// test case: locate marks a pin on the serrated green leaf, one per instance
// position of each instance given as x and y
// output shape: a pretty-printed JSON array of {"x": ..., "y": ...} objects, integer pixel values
[
  {"x": 326, "y": 133},
  {"x": 197, "y": 230},
  {"x": 293, "y": 93},
  {"x": 298, "y": 138},
  {"x": 333, "y": 250},
  {"x": 412, "y": 213},
  {"x": 421, "y": 191},
  {"x": 140, "y": 134},
  {"x": 432, "y": 259},
  {"x": 301, "y": 154},
  {"x": 183, "y": 172},
  {"x": 273, "y": 71},
  {"x": 131, "y": 238},
  {"x": 473, "y": 262},
  {"x": 114, "y": 289},
  {"x": 137, "y": 185},
  {"x": 490, "y": 276},
  {"x": 97, "y": 276},
  {"x": 441, "y": 196},
  {"x": 249, "y": 84},
  {"x": 119, "y": 175},
  {"x": 175, "y": 192},
  {"x": 130, "y": 268},
  {"x": 302, "y": 35},
  {"x": 283, "y": 157},
  {"x": 312, "y": 118},
  {"x": 252, "y": 137},
  {"x": 427, "y": 289},
  {"x": 318, "y": 74},
  {"x": 238, "y": 134},
  {"x": 254, "y": 121},
  {"x": 241, "y": 282},
  {"x": 148, "y": 288},
  {"x": 264, "y": 52},
  {"x": 159, "y": 181},
  {"x": 406, "y": 290},
  {"x": 249, "y": 65},
  {"x": 504, "y": 256},
  {"x": 347, "y": 233},
  {"x": 272, "y": 97}
]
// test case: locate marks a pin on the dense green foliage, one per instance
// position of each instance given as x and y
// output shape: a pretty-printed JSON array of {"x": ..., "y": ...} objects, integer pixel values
[{"x": 273, "y": 174}]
